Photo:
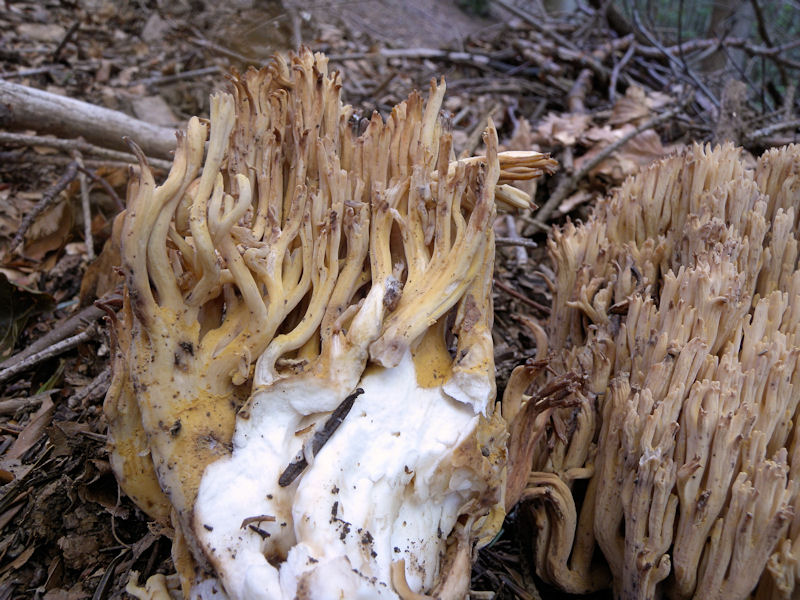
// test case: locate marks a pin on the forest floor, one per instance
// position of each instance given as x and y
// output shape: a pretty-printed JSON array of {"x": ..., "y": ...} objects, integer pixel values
[{"x": 604, "y": 97}]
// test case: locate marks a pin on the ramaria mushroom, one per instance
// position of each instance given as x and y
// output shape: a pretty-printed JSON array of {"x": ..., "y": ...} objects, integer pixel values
[
  {"x": 306, "y": 339},
  {"x": 670, "y": 466}
]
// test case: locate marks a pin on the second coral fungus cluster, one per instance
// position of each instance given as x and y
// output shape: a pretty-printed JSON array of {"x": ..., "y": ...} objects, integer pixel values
[{"x": 665, "y": 439}]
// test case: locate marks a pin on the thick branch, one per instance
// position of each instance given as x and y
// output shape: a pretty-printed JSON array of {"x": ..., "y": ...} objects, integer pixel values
[{"x": 22, "y": 107}]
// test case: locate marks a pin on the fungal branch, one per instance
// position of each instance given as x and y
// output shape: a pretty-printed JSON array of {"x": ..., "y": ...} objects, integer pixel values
[
  {"x": 676, "y": 303},
  {"x": 305, "y": 359}
]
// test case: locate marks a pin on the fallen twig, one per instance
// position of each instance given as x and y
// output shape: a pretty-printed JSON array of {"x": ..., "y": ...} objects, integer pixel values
[
  {"x": 62, "y": 330},
  {"x": 9, "y": 406},
  {"x": 559, "y": 39},
  {"x": 675, "y": 62},
  {"x": 86, "y": 207},
  {"x": 97, "y": 388},
  {"x": 104, "y": 184},
  {"x": 507, "y": 241},
  {"x": 54, "y": 350},
  {"x": 29, "y": 72},
  {"x": 713, "y": 44},
  {"x": 23, "y": 107},
  {"x": 476, "y": 60},
  {"x": 65, "y": 40},
  {"x": 615, "y": 72},
  {"x": 754, "y": 136},
  {"x": 61, "y": 161},
  {"x": 524, "y": 299},
  {"x": 79, "y": 145},
  {"x": 204, "y": 43}
]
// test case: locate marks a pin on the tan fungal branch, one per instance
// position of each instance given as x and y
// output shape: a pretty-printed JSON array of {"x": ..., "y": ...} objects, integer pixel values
[
  {"x": 677, "y": 305},
  {"x": 285, "y": 262}
]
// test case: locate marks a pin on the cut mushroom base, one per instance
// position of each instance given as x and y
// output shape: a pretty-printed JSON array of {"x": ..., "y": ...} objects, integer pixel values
[
  {"x": 304, "y": 380},
  {"x": 677, "y": 305},
  {"x": 381, "y": 490}
]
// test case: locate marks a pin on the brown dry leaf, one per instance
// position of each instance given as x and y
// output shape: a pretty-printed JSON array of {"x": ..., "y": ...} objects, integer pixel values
[
  {"x": 639, "y": 151},
  {"x": 15, "y": 468},
  {"x": 44, "y": 150},
  {"x": 124, "y": 77},
  {"x": 155, "y": 28},
  {"x": 76, "y": 592},
  {"x": 521, "y": 139},
  {"x": 20, "y": 561},
  {"x": 601, "y": 135},
  {"x": 41, "y": 32},
  {"x": 9, "y": 514},
  {"x": 21, "y": 275},
  {"x": 657, "y": 100},
  {"x": 62, "y": 434},
  {"x": 630, "y": 108},
  {"x": 33, "y": 430},
  {"x": 635, "y": 106},
  {"x": 12, "y": 209},
  {"x": 564, "y": 129},
  {"x": 50, "y": 231},
  {"x": 55, "y": 573},
  {"x": 576, "y": 199},
  {"x": 103, "y": 491}
]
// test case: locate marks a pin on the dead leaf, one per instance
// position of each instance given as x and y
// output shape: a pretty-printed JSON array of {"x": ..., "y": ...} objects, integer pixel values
[
  {"x": 33, "y": 430},
  {"x": 15, "y": 467},
  {"x": 78, "y": 550},
  {"x": 638, "y": 152},
  {"x": 41, "y": 32},
  {"x": 630, "y": 108},
  {"x": 12, "y": 211},
  {"x": 564, "y": 129},
  {"x": 522, "y": 138},
  {"x": 55, "y": 573},
  {"x": 125, "y": 76},
  {"x": 45, "y": 150},
  {"x": 50, "y": 231},
  {"x": 635, "y": 106},
  {"x": 76, "y": 592},
  {"x": 20, "y": 561},
  {"x": 63, "y": 436},
  {"x": 604, "y": 135},
  {"x": 155, "y": 28}
]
